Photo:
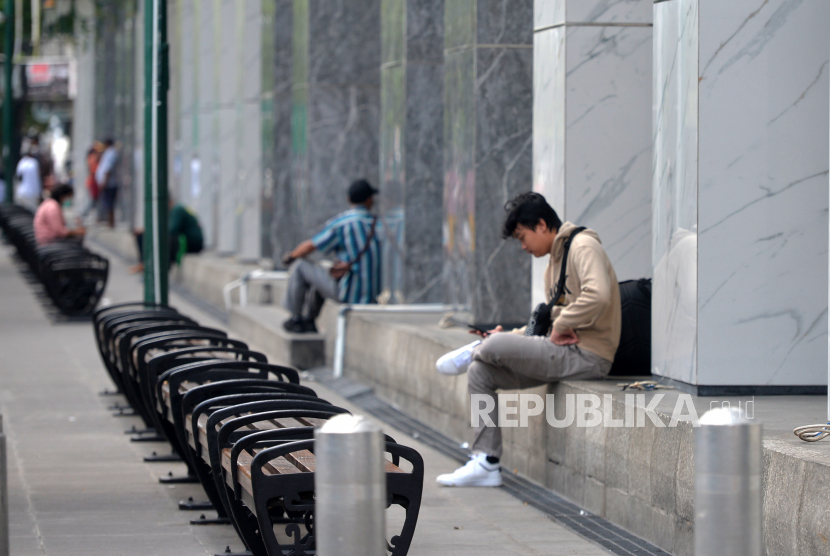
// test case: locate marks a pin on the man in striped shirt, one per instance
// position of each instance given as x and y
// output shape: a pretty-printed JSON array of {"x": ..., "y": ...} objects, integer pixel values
[{"x": 351, "y": 237}]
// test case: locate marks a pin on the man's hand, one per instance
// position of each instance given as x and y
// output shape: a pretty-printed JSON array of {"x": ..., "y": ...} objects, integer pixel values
[
  {"x": 287, "y": 259},
  {"x": 497, "y": 329},
  {"x": 568, "y": 338}
]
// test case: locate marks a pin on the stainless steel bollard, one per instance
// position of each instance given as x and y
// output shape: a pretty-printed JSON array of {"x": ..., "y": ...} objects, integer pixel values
[
  {"x": 4, "y": 495},
  {"x": 728, "y": 485},
  {"x": 350, "y": 488}
]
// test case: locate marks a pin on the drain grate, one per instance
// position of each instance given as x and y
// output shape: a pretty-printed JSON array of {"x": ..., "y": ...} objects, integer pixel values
[{"x": 591, "y": 527}]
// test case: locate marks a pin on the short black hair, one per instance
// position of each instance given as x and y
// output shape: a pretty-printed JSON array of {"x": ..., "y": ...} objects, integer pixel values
[
  {"x": 109, "y": 142},
  {"x": 62, "y": 191},
  {"x": 527, "y": 209}
]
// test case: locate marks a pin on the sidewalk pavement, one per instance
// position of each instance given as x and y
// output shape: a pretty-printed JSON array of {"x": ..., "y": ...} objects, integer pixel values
[{"x": 78, "y": 486}]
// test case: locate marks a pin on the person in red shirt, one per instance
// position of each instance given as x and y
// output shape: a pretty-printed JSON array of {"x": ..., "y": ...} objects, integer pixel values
[{"x": 49, "y": 224}]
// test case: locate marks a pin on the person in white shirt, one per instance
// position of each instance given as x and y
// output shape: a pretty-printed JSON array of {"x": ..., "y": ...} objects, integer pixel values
[
  {"x": 29, "y": 189},
  {"x": 107, "y": 178}
]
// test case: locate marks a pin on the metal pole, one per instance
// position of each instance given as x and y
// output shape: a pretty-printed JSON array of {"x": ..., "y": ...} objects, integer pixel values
[
  {"x": 156, "y": 85},
  {"x": 729, "y": 472},
  {"x": 4, "y": 495},
  {"x": 9, "y": 162},
  {"x": 350, "y": 488}
]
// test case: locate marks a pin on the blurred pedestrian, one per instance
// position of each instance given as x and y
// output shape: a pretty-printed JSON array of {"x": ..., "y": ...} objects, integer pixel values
[
  {"x": 29, "y": 188},
  {"x": 49, "y": 223},
  {"x": 106, "y": 175},
  {"x": 93, "y": 158}
]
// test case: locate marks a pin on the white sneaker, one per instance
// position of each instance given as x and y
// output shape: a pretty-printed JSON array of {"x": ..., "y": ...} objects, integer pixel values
[
  {"x": 457, "y": 361},
  {"x": 476, "y": 473}
]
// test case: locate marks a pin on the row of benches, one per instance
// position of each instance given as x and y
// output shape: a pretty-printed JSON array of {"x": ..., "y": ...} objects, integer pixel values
[
  {"x": 74, "y": 278},
  {"x": 244, "y": 427}
]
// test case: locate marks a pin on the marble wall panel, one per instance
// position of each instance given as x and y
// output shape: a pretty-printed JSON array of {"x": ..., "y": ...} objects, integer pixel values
[
  {"x": 249, "y": 183},
  {"x": 763, "y": 186},
  {"x": 504, "y": 22},
  {"x": 228, "y": 190},
  {"x": 504, "y": 162},
  {"x": 592, "y": 141},
  {"x": 343, "y": 124},
  {"x": 459, "y": 23},
  {"x": 411, "y": 149},
  {"x": 549, "y": 70},
  {"x": 345, "y": 42},
  {"x": 608, "y": 141},
  {"x": 740, "y": 179},
  {"x": 425, "y": 30},
  {"x": 279, "y": 223},
  {"x": 674, "y": 254},
  {"x": 424, "y": 145},
  {"x": 459, "y": 174},
  {"x": 253, "y": 22},
  {"x": 336, "y": 103}
]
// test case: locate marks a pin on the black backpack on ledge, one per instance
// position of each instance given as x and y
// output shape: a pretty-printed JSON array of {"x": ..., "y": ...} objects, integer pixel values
[{"x": 634, "y": 353}]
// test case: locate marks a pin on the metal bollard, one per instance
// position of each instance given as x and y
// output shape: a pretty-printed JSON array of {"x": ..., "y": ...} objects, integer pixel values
[
  {"x": 350, "y": 488},
  {"x": 4, "y": 495},
  {"x": 728, "y": 485}
]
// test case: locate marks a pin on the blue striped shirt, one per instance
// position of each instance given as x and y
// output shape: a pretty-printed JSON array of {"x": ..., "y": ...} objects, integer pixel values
[{"x": 345, "y": 236}]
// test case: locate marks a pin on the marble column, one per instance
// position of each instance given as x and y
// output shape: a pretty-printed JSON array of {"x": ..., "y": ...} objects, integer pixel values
[
  {"x": 336, "y": 102},
  {"x": 411, "y": 149},
  {"x": 205, "y": 170},
  {"x": 280, "y": 227},
  {"x": 186, "y": 88},
  {"x": 740, "y": 193},
  {"x": 83, "y": 106},
  {"x": 227, "y": 117},
  {"x": 592, "y": 124},
  {"x": 488, "y": 98},
  {"x": 255, "y": 17}
]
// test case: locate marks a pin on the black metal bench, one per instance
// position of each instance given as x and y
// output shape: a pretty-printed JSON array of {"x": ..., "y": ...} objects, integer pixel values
[{"x": 243, "y": 426}]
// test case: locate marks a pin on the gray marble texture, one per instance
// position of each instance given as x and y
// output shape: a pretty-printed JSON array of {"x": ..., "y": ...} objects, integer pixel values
[
  {"x": 592, "y": 137},
  {"x": 411, "y": 149},
  {"x": 547, "y": 13},
  {"x": 487, "y": 154},
  {"x": 336, "y": 104},
  {"x": 674, "y": 179},
  {"x": 760, "y": 84},
  {"x": 280, "y": 229}
]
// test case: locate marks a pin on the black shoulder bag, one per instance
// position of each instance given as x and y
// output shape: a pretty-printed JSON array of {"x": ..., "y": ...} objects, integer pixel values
[{"x": 540, "y": 320}]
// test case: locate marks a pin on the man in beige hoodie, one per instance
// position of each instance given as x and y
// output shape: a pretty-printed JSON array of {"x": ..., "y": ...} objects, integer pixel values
[{"x": 581, "y": 344}]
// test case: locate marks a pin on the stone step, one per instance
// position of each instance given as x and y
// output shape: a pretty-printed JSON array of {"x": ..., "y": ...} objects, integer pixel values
[{"x": 261, "y": 327}]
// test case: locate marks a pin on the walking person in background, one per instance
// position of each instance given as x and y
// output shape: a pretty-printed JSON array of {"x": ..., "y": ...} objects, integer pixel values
[
  {"x": 352, "y": 238},
  {"x": 106, "y": 175},
  {"x": 30, "y": 187},
  {"x": 93, "y": 158},
  {"x": 49, "y": 223}
]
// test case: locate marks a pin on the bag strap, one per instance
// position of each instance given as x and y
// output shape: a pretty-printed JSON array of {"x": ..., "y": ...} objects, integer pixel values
[
  {"x": 368, "y": 243},
  {"x": 560, "y": 285}
]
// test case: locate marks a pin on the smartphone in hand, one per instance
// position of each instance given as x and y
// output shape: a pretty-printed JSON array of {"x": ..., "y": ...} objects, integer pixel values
[{"x": 480, "y": 330}]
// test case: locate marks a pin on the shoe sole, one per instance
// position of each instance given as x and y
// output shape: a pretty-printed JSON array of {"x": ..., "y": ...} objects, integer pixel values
[{"x": 476, "y": 484}]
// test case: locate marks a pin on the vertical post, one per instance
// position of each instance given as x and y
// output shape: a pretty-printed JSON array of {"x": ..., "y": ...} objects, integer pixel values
[
  {"x": 728, "y": 479},
  {"x": 350, "y": 485},
  {"x": 9, "y": 162},
  {"x": 156, "y": 84},
  {"x": 4, "y": 495}
]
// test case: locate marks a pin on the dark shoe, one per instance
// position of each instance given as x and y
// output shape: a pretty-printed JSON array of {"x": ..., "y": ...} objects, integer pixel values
[
  {"x": 310, "y": 326},
  {"x": 295, "y": 324}
]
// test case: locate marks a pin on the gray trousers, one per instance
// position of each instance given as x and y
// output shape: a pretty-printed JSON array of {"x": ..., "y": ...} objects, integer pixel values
[
  {"x": 513, "y": 362},
  {"x": 308, "y": 288}
]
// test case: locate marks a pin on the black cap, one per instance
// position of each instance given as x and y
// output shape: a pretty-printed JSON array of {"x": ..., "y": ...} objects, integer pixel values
[{"x": 360, "y": 192}]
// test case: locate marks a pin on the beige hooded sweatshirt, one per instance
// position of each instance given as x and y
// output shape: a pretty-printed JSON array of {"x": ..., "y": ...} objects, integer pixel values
[{"x": 591, "y": 305}]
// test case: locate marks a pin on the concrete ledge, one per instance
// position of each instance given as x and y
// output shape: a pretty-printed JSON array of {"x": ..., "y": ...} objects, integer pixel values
[
  {"x": 262, "y": 326},
  {"x": 640, "y": 478}
]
